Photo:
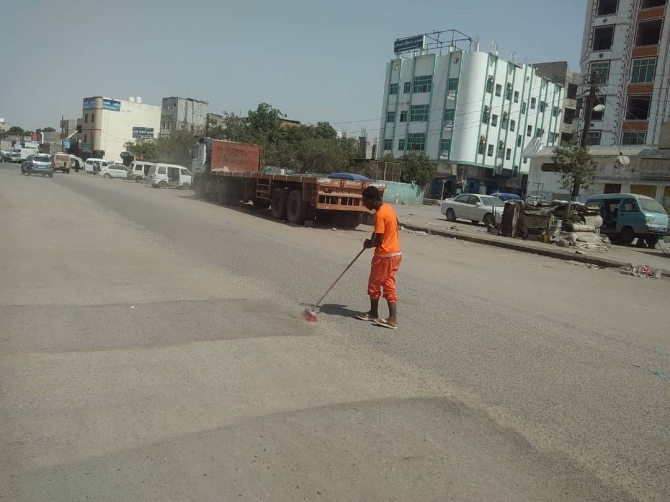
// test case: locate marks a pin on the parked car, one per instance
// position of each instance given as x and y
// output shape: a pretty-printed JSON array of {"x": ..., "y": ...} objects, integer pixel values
[
  {"x": 474, "y": 207},
  {"x": 38, "y": 164},
  {"x": 62, "y": 162},
  {"x": 627, "y": 216},
  {"x": 139, "y": 170},
  {"x": 90, "y": 165},
  {"x": 505, "y": 196},
  {"x": 170, "y": 175},
  {"x": 114, "y": 171},
  {"x": 15, "y": 157},
  {"x": 76, "y": 163}
]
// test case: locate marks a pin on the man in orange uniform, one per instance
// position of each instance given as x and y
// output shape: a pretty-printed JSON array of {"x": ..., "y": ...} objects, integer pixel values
[{"x": 386, "y": 260}]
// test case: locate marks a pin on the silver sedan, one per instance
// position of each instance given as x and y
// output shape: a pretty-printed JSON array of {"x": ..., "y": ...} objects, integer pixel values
[{"x": 474, "y": 207}]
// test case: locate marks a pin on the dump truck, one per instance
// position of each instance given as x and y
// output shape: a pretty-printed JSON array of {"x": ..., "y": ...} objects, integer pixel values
[{"x": 232, "y": 172}]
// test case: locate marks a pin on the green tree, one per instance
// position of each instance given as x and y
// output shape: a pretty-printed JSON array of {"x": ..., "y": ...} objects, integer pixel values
[
  {"x": 416, "y": 168},
  {"x": 388, "y": 158},
  {"x": 48, "y": 129},
  {"x": 235, "y": 128},
  {"x": 143, "y": 149},
  {"x": 576, "y": 168},
  {"x": 176, "y": 149},
  {"x": 15, "y": 131},
  {"x": 265, "y": 123}
]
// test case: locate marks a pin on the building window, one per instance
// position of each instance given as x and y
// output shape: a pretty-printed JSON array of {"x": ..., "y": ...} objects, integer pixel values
[
  {"x": 489, "y": 152},
  {"x": 603, "y": 36},
  {"x": 482, "y": 146},
  {"x": 508, "y": 154},
  {"x": 449, "y": 114},
  {"x": 390, "y": 117},
  {"x": 648, "y": 4},
  {"x": 85, "y": 138},
  {"x": 498, "y": 90},
  {"x": 555, "y": 111},
  {"x": 508, "y": 92},
  {"x": 539, "y": 132},
  {"x": 643, "y": 71},
  {"x": 519, "y": 140},
  {"x": 602, "y": 68},
  {"x": 423, "y": 83},
  {"x": 92, "y": 118},
  {"x": 523, "y": 107},
  {"x": 529, "y": 131},
  {"x": 401, "y": 144},
  {"x": 388, "y": 144},
  {"x": 596, "y": 116},
  {"x": 501, "y": 150},
  {"x": 403, "y": 116},
  {"x": 489, "y": 84},
  {"x": 485, "y": 115},
  {"x": 637, "y": 108},
  {"x": 494, "y": 120},
  {"x": 446, "y": 145},
  {"x": 406, "y": 87},
  {"x": 418, "y": 113},
  {"x": 648, "y": 32},
  {"x": 533, "y": 103},
  {"x": 417, "y": 141},
  {"x": 393, "y": 89},
  {"x": 516, "y": 96},
  {"x": 594, "y": 138},
  {"x": 453, "y": 84},
  {"x": 607, "y": 7},
  {"x": 633, "y": 138},
  {"x": 505, "y": 121},
  {"x": 512, "y": 125},
  {"x": 525, "y": 160},
  {"x": 543, "y": 106},
  {"x": 86, "y": 118}
]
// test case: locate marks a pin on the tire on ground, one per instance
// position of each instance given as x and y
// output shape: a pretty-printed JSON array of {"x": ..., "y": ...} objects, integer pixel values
[
  {"x": 489, "y": 220},
  {"x": 627, "y": 236},
  {"x": 347, "y": 219},
  {"x": 652, "y": 240},
  {"x": 296, "y": 208},
  {"x": 451, "y": 215},
  {"x": 278, "y": 204}
]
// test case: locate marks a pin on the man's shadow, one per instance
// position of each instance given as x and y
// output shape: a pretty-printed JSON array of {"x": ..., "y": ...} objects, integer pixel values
[{"x": 336, "y": 310}]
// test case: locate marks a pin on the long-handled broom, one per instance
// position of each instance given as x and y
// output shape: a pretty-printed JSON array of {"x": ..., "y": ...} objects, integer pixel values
[{"x": 311, "y": 312}]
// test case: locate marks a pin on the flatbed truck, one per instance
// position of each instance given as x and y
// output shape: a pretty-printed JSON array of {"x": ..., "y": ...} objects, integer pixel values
[{"x": 231, "y": 172}]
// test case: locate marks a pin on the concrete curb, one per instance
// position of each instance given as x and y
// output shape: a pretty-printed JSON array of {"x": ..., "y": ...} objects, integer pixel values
[{"x": 514, "y": 244}]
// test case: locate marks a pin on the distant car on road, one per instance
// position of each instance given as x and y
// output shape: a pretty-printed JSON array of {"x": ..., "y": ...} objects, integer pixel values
[
  {"x": 474, "y": 207},
  {"x": 15, "y": 158},
  {"x": 114, "y": 171},
  {"x": 38, "y": 164}
]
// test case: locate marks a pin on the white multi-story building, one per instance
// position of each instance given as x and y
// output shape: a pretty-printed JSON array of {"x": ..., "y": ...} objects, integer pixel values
[
  {"x": 472, "y": 113},
  {"x": 108, "y": 124},
  {"x": 182, "y": 112},
  {"x": 626, "y": 42}
]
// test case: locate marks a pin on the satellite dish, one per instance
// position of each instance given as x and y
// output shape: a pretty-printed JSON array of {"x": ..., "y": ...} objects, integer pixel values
[{"x": 623, "y": 160}]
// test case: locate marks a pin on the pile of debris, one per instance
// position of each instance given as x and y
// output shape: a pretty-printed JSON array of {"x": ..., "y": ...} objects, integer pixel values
[{"x": 561, "y": 222}]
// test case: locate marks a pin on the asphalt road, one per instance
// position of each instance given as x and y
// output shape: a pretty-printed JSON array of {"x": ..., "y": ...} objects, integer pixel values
[{"x": 152, "y": 348}]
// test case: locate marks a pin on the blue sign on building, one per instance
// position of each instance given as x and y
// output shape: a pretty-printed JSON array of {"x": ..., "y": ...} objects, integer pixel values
[
  {"x": 408, "y": 44},
  {"x": 143, "y": 132},
  {"x": 66, "y": 143},
  {"x": 89, "y": 104},
  {"x": 111, "y": 104}
]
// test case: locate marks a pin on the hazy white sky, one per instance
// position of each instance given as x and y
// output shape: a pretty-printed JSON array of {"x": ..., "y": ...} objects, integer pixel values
[{"x": 315, "y": 60}]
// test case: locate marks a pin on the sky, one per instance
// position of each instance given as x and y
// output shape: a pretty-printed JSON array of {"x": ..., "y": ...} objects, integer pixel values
[{"x": 315, "y": 60}]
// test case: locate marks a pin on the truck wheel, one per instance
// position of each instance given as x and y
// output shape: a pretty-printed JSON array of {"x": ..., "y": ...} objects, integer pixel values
[
  {"x": 278, "y": 204},
  {"x": 296, "y": 208},
  {"x": 262, "y": 203},
  {"x": 348, "y": 220}
]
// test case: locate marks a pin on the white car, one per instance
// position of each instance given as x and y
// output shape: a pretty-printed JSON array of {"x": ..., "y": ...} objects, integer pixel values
[
  {"x": 114, "y": 171},
  {"x": 474, "y": 207}
]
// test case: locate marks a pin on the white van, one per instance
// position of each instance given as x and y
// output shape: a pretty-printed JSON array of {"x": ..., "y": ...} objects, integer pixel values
[
  {"x": 88, "y": 165},
  {"x": 139, "y": 170},
  {"x": 170, "y": 175}
]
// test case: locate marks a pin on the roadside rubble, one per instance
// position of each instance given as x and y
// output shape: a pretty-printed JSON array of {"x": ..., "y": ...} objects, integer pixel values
[{"x": 641, "y": 271}]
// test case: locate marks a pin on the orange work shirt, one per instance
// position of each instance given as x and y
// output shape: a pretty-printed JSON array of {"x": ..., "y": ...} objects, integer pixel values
[{"x": 386, "y": 223}]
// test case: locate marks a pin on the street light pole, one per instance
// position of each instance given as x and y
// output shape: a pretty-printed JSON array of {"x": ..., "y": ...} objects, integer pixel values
[{"x": 588, "y": 113}]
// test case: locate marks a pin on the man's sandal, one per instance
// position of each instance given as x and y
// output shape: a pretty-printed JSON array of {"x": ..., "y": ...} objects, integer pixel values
[
  {"x": 385, "y": 324},
  {"x": 364, "y": 316}
]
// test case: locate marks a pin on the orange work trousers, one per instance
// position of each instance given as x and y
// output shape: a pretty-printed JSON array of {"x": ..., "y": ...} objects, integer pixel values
[{"x": 382, "y": 275}]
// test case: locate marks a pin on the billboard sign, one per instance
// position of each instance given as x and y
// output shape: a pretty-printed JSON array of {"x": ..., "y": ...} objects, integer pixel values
[
  {"x": 408, "y": 44},
  {"x": 111, "y": 104},
  {"x": 85, "y": 148},
  {"x": 143, "y": 132},
  {"x": 89, "y": 104},
  {"x": 66, "y": 143}
]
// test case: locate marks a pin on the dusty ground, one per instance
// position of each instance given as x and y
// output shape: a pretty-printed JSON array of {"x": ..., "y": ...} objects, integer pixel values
[{"x": 152, "y": 348}]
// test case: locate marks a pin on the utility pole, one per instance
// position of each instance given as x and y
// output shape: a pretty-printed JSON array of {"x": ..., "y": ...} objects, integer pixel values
[{"x": 588, "y": 112}]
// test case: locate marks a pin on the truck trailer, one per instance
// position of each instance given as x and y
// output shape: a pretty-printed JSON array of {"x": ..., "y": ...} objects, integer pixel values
[{"x": 231, "y": 172}]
